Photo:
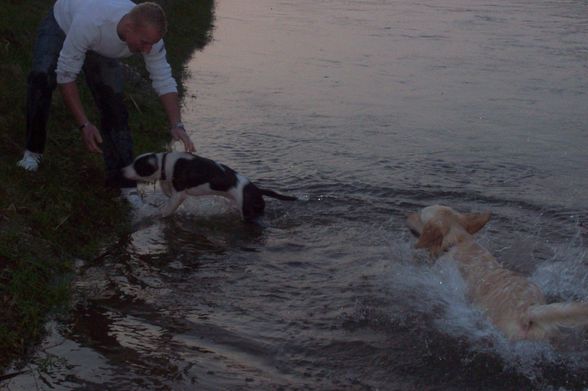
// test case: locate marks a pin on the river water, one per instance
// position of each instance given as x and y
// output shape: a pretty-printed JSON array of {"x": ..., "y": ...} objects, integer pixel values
[{"x": 366, "y": 110}]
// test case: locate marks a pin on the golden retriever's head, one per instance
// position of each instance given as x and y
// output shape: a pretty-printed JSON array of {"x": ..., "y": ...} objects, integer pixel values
[{"x": 439, "y": 227}]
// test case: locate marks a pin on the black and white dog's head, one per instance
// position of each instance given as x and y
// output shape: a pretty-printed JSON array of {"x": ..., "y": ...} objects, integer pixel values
[
  {"x": 145, "y": 168},
  {"x": 182, "y": 174}
]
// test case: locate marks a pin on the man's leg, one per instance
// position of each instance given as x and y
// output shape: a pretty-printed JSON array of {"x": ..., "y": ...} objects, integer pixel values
[
  {"x": 40, "y": 86},
  {"x": 106, "y": 81},
  {"x": 104, "y": 76}
]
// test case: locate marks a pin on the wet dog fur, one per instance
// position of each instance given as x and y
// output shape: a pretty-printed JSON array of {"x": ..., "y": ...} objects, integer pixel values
[
  {"x": 182, "y": 174},
  {"x": 515, "y": 305}
]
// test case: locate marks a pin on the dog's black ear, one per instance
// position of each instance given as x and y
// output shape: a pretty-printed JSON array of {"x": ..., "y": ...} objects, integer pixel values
[
  {"x": 273, "y": 194},
  {"x": 146, "y": 165}
]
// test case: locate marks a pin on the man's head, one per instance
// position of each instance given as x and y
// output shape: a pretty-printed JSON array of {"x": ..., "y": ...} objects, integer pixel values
[{"x": 143, "y": 27}]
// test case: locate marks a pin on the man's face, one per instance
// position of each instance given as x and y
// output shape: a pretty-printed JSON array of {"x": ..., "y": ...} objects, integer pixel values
[{"x": 142, "y": 39}]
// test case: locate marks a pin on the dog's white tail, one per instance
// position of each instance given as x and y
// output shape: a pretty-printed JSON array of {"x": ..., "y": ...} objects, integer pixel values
[{"x": 549, "y": 317}]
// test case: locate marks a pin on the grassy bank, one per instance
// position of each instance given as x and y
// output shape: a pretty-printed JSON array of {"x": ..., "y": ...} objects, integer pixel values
[{"x": 63, "y": 212}]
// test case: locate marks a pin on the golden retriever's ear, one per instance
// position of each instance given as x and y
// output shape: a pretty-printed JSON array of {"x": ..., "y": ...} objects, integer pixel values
[
  {"x": 431, "y": 238},
  {"x": 413, "y": 221},
  {"x": 473, "y": 222}
]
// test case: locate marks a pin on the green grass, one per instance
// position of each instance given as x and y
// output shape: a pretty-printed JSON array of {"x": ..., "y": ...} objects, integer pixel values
[{"x": 63, "y": 212}]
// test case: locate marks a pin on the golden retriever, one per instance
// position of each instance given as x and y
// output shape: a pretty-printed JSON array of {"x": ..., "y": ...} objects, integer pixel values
[{"x": 514, "y": 304}]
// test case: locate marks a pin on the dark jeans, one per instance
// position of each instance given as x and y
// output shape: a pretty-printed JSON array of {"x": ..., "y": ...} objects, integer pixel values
[{"x": 104, "y": 77}]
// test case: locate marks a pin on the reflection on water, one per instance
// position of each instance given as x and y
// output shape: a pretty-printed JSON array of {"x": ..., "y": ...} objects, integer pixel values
[{"x": 366, "y": 110}]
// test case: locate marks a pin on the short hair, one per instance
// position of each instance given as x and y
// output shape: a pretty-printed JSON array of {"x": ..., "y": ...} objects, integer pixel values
[{"x": 149, "y": 14}]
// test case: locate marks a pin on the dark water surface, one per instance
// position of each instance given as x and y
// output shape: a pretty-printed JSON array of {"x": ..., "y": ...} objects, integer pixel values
[{"x": 366, "y": 110}]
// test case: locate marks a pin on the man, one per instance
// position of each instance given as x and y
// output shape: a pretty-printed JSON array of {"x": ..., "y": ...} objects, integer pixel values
[{"x": 91, "y": 35}]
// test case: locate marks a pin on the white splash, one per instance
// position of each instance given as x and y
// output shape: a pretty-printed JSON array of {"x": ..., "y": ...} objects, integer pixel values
[
  {"x": 436, "y": 293},
  {"x": 565, "y": 275},
  {"x": 206, "y": 206}
]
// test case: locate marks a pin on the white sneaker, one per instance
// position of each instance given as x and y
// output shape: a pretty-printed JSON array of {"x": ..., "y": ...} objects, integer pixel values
[
  {"x": 30, "y": 161},
  {"x": 132, "y": 196}
]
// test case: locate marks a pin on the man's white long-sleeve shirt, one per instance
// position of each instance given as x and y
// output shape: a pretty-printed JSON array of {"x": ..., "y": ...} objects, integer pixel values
[{"x": 91, "y": 25}]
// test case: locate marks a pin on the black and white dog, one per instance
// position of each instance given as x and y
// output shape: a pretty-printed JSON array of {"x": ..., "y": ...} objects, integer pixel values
[{"x": 181, "y": 174}]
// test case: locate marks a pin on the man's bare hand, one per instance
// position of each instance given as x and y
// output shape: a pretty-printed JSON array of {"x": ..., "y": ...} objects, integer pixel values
[
  {"x": 92, "y": 138},
  {"x": 179, "y": 133}
]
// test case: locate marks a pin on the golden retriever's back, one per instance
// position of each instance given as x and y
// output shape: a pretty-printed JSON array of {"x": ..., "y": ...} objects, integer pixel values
[{"x": 503, "y": 294}]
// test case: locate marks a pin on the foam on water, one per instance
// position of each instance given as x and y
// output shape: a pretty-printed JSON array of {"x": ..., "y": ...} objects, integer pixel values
[
  {"x": 565, "y": 275},
  {"x": 207, "y": 206}
]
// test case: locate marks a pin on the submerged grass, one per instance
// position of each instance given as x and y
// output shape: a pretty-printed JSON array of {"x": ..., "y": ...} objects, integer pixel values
[{"x": 63, "y": 212}]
